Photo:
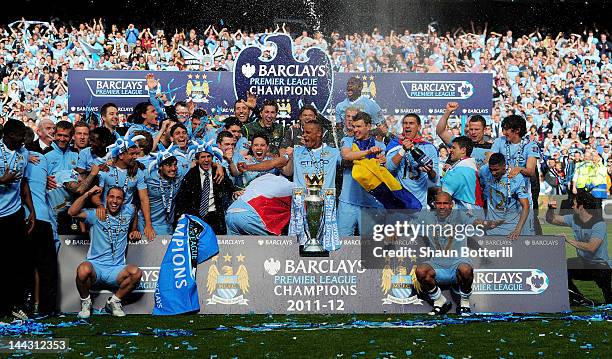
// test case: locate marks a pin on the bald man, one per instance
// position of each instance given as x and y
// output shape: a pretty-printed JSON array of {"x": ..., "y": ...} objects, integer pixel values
[
  {"x": 46, "y": 133},
  {"x": 454, "y": 271}
]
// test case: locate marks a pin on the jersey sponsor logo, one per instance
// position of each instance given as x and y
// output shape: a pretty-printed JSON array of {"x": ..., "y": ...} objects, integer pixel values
[{"x": 309, "y": 163}]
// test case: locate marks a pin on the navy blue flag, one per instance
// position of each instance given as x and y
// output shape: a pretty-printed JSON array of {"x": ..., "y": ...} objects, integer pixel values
[{"x": 192, "y": 243}]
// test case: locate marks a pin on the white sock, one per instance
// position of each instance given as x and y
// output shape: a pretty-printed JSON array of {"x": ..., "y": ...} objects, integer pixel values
[
  {"x": 440, "y": 301},
  {"x": 464, "y": 302},
  {"x": 115, "y": 299},
  {"x": 85, "y": 299}
]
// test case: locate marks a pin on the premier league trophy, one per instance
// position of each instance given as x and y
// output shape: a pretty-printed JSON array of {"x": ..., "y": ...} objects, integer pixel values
[
  {"x": 314, "y": 208},
  {"x": 313, "y": 218}
]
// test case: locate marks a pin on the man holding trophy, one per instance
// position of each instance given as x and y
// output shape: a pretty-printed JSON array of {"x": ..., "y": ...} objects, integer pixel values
[{"x": 313, "y": 211}]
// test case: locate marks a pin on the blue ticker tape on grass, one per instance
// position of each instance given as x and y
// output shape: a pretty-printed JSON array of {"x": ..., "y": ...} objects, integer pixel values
[
  {"x": 155, "y": 332},
  {"x": 601, "y": 313},
  {"x": 425, "y": 323},
  {"x": 172, "y": 332},
  {"x": 20, "y": 327},
  {"x": 122, "y": 333}
]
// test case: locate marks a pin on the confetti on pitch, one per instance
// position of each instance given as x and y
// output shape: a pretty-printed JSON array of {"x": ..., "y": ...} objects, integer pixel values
[
  {"x": 427, "y": 323},
  {"x": 172, "y": 332},
  {"x": 21, "y": 327},
  {"x": 123, "y": 333}
]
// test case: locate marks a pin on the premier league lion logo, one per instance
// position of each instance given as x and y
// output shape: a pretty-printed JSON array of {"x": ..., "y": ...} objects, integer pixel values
[
  {"x": 226, "y": 286},
  {"x": 400, "y": 285},
  {"x": 272, "y": 71},
  {"x": 537, "y": 281}
]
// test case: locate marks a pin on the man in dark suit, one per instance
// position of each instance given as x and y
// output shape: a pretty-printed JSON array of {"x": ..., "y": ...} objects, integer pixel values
[
  {"x": 201, "y": 195},
  {"x": 4, "y": 70}
]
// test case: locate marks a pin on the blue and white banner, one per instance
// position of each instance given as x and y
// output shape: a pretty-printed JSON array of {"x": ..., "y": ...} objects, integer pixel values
[
  {"x": 265, "y": 274},
  {"x": 88, "y": 90},
  {"x": 423, "y": 94},
  {"x": 396, "y": 94},
  {"x": 192, "y": 243}
]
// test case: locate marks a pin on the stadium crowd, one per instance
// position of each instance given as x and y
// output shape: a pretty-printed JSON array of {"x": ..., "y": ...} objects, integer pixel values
[
  {"x": 559, "y": 83},
  {"x": 549, "y": 133}
]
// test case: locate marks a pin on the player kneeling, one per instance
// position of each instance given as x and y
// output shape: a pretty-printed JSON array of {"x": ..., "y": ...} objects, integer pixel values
[
  {"x": 105, "y": 264},
  {"x": 451, "y": 271}
]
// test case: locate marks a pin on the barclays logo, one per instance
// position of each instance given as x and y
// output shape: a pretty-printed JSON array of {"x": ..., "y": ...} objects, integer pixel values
[
  {"x": 117, "y": 87},
  {"x": 272, "y": 266},
  {"x": 148, "y": 282},
  {"x": 538, "y": 281},
  {"x": 76, "y": 242},
  {"x": 248, "y": 70},
  {"x": 438, "y": 90},
  {"x": 542, "y": 242},
  {"x": 509, "y": 281},
  {"x": 290, "y": 81}
]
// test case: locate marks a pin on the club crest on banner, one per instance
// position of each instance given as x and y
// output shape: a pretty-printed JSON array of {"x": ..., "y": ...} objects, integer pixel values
[
  {"x": 369, "y": 86},
  {"x": 397, "y": 285},
  {"x": 197, "y": 88},
  {"x": 284, "y": 108},
  {"x": 225, "y": 286},
  {"x": 272, "y": 72}
]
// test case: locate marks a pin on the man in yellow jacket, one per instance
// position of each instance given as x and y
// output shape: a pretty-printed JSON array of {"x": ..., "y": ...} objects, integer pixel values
[{"x": 591, "y": 175}]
